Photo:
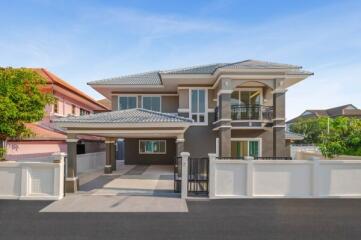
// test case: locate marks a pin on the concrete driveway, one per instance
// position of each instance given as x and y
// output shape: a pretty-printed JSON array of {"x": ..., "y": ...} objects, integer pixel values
[{"x": 135, "y": 188}]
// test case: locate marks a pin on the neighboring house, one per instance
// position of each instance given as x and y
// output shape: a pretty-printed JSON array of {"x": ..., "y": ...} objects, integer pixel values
[
  {"x": 48, "y": 138},
  {"x": 232, "y": 109},
  {"x": 348, "y": 110}
]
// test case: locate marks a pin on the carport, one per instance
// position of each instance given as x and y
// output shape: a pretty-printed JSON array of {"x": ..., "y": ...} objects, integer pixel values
[{"x": 132, "y": 123}]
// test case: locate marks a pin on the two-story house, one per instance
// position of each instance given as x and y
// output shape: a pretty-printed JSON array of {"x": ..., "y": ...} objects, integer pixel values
[
  {"x": 47, "y": 138},
  {"x": 232, "y": 109}
]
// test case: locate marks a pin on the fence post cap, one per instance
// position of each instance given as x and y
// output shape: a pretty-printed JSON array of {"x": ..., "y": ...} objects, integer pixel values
[
  {"x": 212, "y": 155},
  {"x": 185, "y": 154},
  {"x": 249, "y": 158}
]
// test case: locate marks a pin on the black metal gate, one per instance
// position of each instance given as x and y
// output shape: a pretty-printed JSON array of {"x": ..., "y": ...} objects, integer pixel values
[
  {"x": 198, "y": 175},
  {"x": 198, "y": 172}
]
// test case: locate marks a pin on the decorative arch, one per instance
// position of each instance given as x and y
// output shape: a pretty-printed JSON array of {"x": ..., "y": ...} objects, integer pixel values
[{"x": 253, "y": 83}]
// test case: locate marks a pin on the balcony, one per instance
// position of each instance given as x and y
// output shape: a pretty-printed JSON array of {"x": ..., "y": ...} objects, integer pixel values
[{"x": 249, "y": 113}]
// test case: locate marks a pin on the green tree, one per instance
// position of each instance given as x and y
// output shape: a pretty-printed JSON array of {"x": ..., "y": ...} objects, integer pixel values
[
  {"x": 333, "y": 136},
  {"x": 310, "y": 128},
  {"x": 21, "y": 101}
]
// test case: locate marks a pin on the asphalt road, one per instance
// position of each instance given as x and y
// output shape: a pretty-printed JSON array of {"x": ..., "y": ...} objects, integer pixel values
[{"x": 217, "y": 219}]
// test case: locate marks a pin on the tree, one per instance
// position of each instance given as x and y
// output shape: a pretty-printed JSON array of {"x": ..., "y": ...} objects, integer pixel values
[
  {"x": 333, "y": 136},
  {"x": 21, "y": 101}
]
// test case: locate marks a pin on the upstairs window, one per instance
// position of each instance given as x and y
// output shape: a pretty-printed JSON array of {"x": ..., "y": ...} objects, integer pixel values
[
  {"x": 73, "y": 109},
  {"x": 152, "y": 103},
  {"x": 56, "y": 106},
  {"x": 84, "y": 112},
  {"x": 198, "y": 105},
  {"x": 127, "y": 102}
]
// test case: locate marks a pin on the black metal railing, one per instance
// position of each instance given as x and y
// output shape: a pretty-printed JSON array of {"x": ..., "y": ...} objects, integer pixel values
[
  {"x": 198, "y": 176},
  {"x": 248, "y": 112},
  {"x": 251, "y": 112}
]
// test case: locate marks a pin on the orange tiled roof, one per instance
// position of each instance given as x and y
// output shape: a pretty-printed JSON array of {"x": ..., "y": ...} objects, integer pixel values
[
  {"x": 53, "y": 79},
  {"x": 105, "y": 102},
  {"x": 44, "y": 133}
]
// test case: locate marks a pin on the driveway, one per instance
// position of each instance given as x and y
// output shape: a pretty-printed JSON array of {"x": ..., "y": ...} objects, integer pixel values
[
  {"x": 135, "y": 188},
  {"x": 279, "y": 219}
]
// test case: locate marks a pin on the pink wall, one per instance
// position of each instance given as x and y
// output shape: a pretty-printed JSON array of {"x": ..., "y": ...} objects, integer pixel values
[{"x": 21, "y": 150}]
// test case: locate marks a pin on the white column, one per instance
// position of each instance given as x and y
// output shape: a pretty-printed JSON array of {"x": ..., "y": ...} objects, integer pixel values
[
  {"x": 315, "y": 170},
  {"x": 184, "y": 189},
  {"x": 249, "y": 179},
  {"x": 212, "y": 175},
  {"x": 217, "y": 147}
]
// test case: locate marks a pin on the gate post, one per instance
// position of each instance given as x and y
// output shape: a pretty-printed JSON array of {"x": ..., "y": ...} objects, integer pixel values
[
  {"x": 212, "y": 175},
  {"x": 184, "y": 185}
]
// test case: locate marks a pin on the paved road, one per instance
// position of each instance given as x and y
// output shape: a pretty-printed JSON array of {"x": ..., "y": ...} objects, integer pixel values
[{"x": 218, "y": 219}]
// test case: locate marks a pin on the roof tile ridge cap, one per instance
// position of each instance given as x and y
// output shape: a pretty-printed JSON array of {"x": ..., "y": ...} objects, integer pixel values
[
  {"x": 188, "y": 68},
  {"x": 228, "y": 64},
  {"x": 124, "y": 76}
]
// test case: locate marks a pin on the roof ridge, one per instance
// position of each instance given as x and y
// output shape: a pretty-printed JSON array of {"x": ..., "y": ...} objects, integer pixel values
[{"x": 189, "y": 68}]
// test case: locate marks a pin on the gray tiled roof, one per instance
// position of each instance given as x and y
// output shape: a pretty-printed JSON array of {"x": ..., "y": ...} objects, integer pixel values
[
  {"x": 154, "y": 78},
  {"x": 136, "y": 115},
  {"x": 148, "y": 78}
]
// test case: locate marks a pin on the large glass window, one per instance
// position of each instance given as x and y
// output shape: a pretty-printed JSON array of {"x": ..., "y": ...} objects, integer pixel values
[
  {"x": 152, "y": 103},
  {"x": 127, "y": 102},
  {"x": 246, "y": 97},
  {"x": 152, "y": 146},
  {"x": 244, "y": 148},
  {"x": 198, "y": 105}
]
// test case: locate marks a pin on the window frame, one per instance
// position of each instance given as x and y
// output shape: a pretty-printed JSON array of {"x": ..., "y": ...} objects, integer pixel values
[
  {"x": 127, "y": 96},
  {"x": 239, "y": 90},
  {"x": 73, "y": 109},
  {"x": 56, "y": 103},
  {"x": 153, "y": 140},
  {"x": 197, "y": 123},
  {"x": 160, "y": 101},
  {"x": 259, "y": 140}
]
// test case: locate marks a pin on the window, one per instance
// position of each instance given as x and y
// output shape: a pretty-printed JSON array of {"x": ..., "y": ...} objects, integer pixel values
[
  {"x": 73, "y": 109},
  {"x": 127, "y": 102},
  {"x": 246, "y": 97},
  {"x": 198, "y": 105},
  {"x": 242, "y": 148},
  {"x": 151, "y": 103},
  {"x": 152, "y": 146},
  {"x": 84, "y": 112},
  {"x": 56, "y": 106}
]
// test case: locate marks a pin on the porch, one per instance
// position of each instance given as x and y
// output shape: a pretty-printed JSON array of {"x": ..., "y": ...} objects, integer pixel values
[{"x": 146, "y": 129}]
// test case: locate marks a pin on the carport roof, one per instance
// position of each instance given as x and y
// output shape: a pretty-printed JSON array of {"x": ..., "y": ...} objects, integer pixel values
[{"x": 136, "y": 115}]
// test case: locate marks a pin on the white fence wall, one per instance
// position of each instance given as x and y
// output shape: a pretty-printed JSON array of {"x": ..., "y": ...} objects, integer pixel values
[
  {"x": 284, "y": 178},
  {"x": 90, "y": 161},
  {"x": 36, "y": 180}
]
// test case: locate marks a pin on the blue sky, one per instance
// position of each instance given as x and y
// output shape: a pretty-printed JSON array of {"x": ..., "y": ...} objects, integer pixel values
[{"x": 81, "y": 41}]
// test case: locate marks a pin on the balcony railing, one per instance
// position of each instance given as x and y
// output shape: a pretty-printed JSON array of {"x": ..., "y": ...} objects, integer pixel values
[{"x": 249, "y": 112}]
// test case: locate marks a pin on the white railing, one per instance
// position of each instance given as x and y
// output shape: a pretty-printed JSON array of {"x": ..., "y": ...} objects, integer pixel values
[
  {"x": 36, "y": 180},
  {"x": 90, "y": 161},
  {"x": 284, "y": 178}
]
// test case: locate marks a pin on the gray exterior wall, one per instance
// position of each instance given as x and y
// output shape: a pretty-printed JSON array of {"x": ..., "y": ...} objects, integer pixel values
[
  {"x": 114, "y": 103},
  {"x": 200, "y": 140},
  {"x": 170, "y": 104},
  {"x": 132, "y": 155}
]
